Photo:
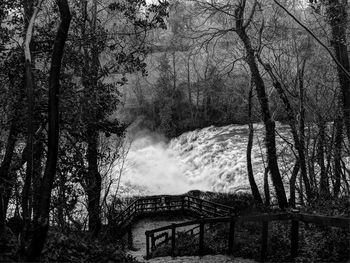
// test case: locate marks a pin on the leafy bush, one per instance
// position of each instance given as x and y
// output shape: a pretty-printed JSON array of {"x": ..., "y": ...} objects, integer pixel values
[
  {"x": 80, "y": 248},
  {"x": 243, "y": 203},
  {"x": 316, "y": 244}
]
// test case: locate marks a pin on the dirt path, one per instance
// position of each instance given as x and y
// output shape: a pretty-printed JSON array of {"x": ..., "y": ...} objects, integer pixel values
[{"x": 139, "y": 243}]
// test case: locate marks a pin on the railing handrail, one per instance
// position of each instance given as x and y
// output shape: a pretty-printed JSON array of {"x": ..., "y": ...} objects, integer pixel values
[
  {"x": 120, "y": 219},
  {"x": 310, "y": 218},
  {"x": 210, "y": 202},
  {"x": 331, "y": 221},
  {"x": 341, "y": 222},
  {"x": 126, "y": 209}
]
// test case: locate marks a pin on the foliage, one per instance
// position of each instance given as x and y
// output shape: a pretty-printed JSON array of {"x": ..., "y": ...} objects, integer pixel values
[
  {"x": 329, "y": 206},
  {"x": 316, "y": 244},
  {"x": 243, "y": 203},
  {"x": 78, "y": 247}
]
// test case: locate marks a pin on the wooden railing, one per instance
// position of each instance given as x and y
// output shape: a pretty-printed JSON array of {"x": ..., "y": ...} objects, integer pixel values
[
  {"x": 159, "y": 236},
  {"x": 170, "y": 203}
]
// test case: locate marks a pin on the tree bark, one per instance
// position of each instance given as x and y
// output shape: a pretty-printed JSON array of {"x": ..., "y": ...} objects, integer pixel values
[
  {"x": 337, "y": 154},
  {"x": 292, "y": 124},
  {"x": 93, "y": 183},
  {"x": 94, "y": 178},
  {"x": 324, "y": 182},
  {"x": 29, "y": 83},
  {"x": 37, "y": 172},
  {"x": 253, "y": 186},
  {"x": 5, "y": 180},
  {"x": 189, "y": 89},
  {"x": 266, "y": 186},
  {"x": 292, "y": 183},
  {"x": 337, "y": 19},
  {"x": 42, "y": 223},
  {"x": 270, "y": 140}
]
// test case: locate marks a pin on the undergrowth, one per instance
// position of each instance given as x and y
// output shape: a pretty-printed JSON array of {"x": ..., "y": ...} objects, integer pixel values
[
  {"x": 316, "y": 243},
  {"x": 75, "y": 247}
]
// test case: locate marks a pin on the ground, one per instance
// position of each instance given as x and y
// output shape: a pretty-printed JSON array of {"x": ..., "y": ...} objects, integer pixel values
[{"x": 139, "y": 244}]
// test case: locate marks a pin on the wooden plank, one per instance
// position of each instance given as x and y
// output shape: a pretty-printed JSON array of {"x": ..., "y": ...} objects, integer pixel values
[
  {"x": 153, "y": 242},
  {"x": 264, "y": 217},
  {"x": 294, "y": 237},
  {"x": 231, "y": 237},
  {"x": 148, "y": 255},
  {"x": 201, "y": 238},
  {"x": 173, "y": 236},
  {"x": 161, "y": 235},
  {"x": 183, "y": 204},
  {"x": 130, "y": 239},
  {"x": 264, "y": 236},
  {"x": 205, "y": 211},
  {"x": 210, "y": 202},
  {"x": 323, "y": 220}
]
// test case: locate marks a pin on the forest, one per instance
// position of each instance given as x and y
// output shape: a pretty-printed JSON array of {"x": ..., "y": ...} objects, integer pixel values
[{"x": 77, "y": 74}]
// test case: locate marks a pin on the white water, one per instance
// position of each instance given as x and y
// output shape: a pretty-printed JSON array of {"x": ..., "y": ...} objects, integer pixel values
[{"x": 213, "y": 158}]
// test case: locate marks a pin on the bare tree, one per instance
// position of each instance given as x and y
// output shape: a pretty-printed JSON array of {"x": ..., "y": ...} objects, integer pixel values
[{"x": 253, "y": 186}]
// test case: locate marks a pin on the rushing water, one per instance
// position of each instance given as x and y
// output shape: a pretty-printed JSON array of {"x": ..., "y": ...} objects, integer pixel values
[{"x": 213, "y": 158}]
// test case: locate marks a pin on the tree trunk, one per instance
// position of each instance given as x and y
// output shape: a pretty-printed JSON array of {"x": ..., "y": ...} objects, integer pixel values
[
  {"x": 174, "y": 71},
  {"x": 5, "y": 180},
  {"x": 266, "y": 186},
  {"x": 94, "y": 180},
  {"x": 292, "y": 183},
  {"x": 324, "y": 182},
  {"x": 189, "y": 90},
  {"x": 337, "y": 19},
  {"x": 42, "y": 224},
  {"x": 337, "y": 154},
  {"x": 29, "y": 83},
  {"x": 253, "y": 186},
  {"x": 292, "y": 124},
  {"x": 93, "y": 183},
  {"x": 264, "y": 104},
  {"x": 302, "y": 150},
  {"x": 37, "y": 172}
]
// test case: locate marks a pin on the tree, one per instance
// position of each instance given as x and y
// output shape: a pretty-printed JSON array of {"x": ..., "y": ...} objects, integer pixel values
[
  {"x": 241, "y": 26},
  {"x": 336, "y": 12},
  {"x": 41, "y": 223},
  {"x": 253, "y": 186},
  {"x": 12, "y": 67},
  {"x": 166, "y": 97},
  {"x": 96, "y": 96}
]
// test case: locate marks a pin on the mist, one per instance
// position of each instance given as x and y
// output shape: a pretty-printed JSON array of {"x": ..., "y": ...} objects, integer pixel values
[
  {"x": 153, "y": 167},
  {"x": 208, "y": 159}
]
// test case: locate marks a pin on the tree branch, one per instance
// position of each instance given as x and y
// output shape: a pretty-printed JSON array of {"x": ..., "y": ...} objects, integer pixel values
[{"x": 316, "y": 38}]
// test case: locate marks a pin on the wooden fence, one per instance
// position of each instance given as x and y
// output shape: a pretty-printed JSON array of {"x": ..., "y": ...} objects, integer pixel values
[
  {"x": 159, "y": 236},
  {"x": 171, "y": 203}
]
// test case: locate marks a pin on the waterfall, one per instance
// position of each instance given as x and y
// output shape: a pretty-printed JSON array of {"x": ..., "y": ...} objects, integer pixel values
[{"x": 208, "y": 159}]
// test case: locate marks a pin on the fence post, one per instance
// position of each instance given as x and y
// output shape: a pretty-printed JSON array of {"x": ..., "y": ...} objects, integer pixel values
[
  {"x": 147, "y": 246},
  {"x": 264, "y": 235},
  {"x": 130, "y": 242},
  {"x": 201, "y": 238},
  {"x": 182, "y": 204},
  {"x": 231, "y": 236},
  {"x": 294, "y": 236},
  {"x": 173, "y": 236},
  {"x": 152, "y": 241},
  {"x": 166, "y": 238}
]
